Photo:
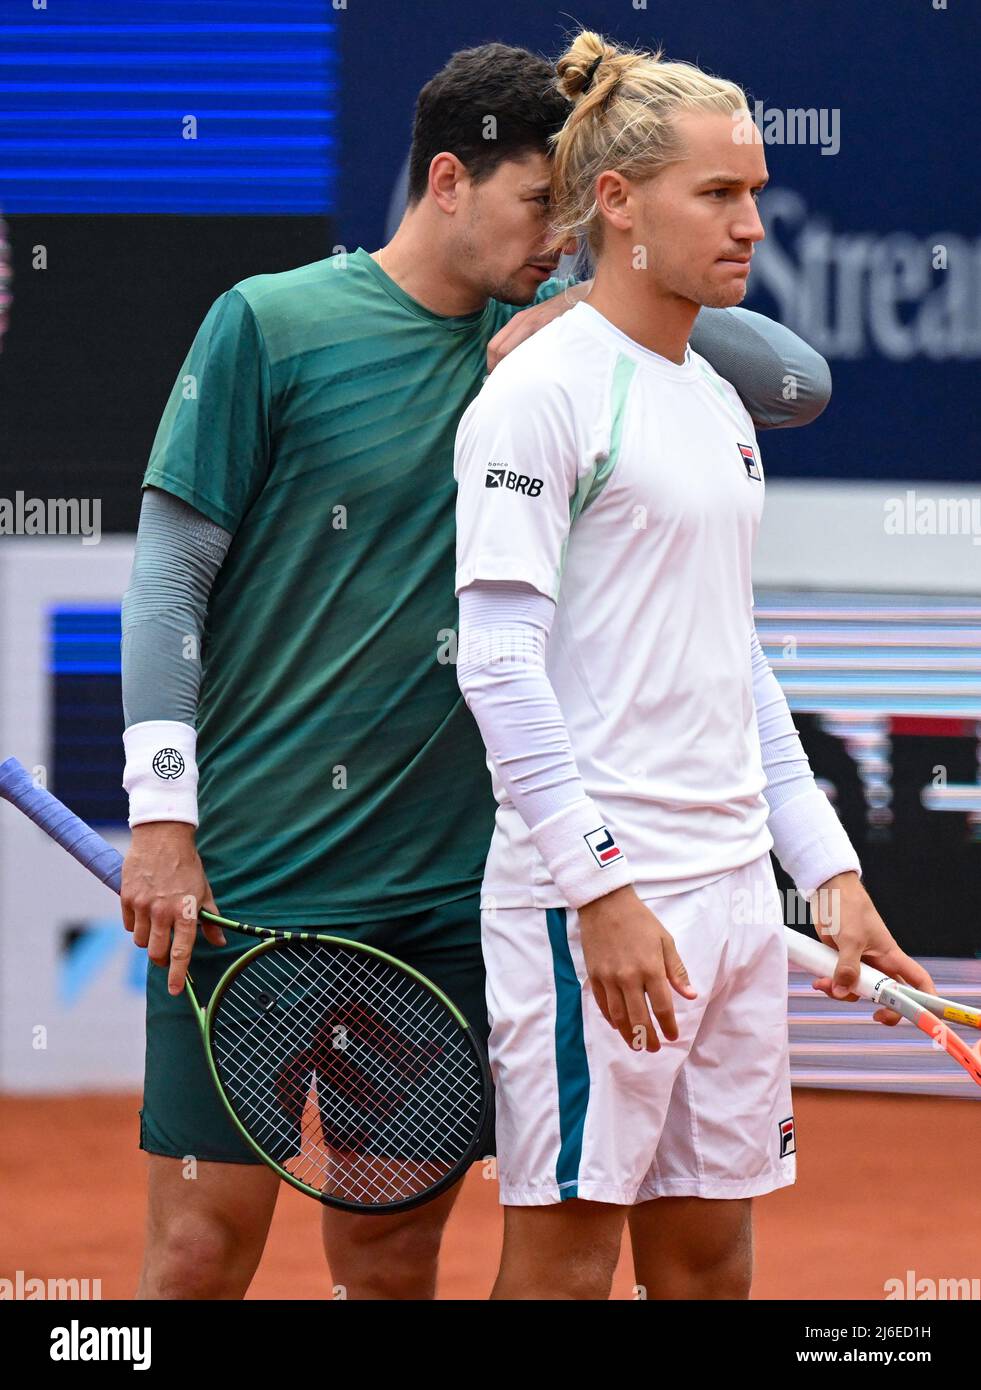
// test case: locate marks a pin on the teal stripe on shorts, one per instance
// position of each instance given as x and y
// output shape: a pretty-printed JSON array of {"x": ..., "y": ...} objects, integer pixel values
[{"x": 572, "y": 1067}]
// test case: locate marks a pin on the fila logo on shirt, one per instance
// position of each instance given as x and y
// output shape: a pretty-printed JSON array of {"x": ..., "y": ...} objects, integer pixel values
[
  {"x": 605, "y": 849},
  {"x": 748, "y": 455},
  {"x": 500, "y": 476},
  {"x": 788, "y": 1138}
]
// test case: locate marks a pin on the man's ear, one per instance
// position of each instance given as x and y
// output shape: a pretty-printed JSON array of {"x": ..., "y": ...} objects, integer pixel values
[{"x": 446, "y": 175}]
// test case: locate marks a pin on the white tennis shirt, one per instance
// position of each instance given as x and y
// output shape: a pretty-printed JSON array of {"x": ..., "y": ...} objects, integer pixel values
[{"x": 629, "y": 489}]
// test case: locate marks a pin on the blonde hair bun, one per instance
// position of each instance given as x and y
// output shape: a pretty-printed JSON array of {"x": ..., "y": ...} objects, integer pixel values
[{"x": 591, "y": 63}]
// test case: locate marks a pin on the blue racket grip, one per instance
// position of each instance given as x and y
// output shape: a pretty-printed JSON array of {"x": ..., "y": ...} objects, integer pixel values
[{"x": 64, "y": 827}]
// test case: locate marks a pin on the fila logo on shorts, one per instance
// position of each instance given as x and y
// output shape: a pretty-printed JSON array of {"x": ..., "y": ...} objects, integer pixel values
[
  {"x": 749, "y": 459},
  {"x": 788, "y": 1139},
  {"x": 498, "y": 476},
  {"x": 605, "y": 849}
]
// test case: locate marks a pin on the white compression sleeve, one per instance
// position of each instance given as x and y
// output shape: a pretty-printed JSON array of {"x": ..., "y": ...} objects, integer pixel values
[
  {"x": 808, "y": 838},
  {"x": 504, "y": 632}
]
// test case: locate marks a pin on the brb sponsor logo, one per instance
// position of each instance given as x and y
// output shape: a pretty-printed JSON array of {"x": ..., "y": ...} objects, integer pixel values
[{"x": 499, "y": 475}]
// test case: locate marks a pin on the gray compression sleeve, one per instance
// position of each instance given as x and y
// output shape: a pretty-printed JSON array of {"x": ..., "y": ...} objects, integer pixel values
[
  {"x": 782, "y": 382},
  {"x": 178, "y": 553}
]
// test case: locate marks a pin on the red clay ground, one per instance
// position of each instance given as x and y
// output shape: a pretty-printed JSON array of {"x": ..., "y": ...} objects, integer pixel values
[{"x": 871, "y": 1201}]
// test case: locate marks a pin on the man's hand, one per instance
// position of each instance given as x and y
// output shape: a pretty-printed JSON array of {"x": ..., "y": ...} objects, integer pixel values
[
  {"x": 629, "y": 955},
  {"x": 163, "y": 889},
  {"x": 529, "y": 321},
  {"x": 847, "y": 920}
]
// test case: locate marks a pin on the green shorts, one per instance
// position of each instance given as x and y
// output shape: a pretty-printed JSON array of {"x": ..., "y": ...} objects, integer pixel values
[{"x": 182, "y": 1113}]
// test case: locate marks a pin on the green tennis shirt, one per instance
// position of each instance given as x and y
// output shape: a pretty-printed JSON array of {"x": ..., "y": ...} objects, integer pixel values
[{"x": 342, "y": 778}]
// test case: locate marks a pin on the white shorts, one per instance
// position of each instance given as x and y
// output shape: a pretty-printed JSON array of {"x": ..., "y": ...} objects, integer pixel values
[{"x": 580, "y": 1114}]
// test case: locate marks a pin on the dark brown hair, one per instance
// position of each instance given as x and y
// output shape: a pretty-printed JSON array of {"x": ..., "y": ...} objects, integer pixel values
[{"x": 511, "y": 85}]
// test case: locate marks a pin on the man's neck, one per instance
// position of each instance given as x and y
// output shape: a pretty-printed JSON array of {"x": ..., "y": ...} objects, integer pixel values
[
  {"x": 412, "y": 259},
  {"x": 655, "y": 318}
]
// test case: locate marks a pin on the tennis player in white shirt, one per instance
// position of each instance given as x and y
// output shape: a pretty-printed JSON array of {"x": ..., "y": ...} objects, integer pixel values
[{"x": 642, "y": 753}]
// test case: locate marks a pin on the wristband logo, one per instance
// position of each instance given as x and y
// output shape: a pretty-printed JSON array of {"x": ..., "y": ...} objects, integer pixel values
[
  {"x": 788, "y": 1137},
  {"x": 605, "y": 849},
  {"x": 168, "y": 764}
]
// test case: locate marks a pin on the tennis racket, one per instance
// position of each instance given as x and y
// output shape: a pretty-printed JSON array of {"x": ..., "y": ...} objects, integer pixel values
[
  {"x": 928, "y": 1012},
  {"x": 347, "y": 1072}
]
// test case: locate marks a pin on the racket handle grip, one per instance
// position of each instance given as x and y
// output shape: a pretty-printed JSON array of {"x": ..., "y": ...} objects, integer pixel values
[
  {"x": 820, "y": 959},
  {"x": 65, "y": 828}
]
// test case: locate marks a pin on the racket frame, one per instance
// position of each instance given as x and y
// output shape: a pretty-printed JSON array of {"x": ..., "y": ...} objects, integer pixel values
[{"x": 947, "y": 1009}]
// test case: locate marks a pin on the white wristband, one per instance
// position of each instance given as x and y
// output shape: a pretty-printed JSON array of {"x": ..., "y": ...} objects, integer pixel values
[
  {"x": 581, "y": 853},
  {"x": 810, "y": 841},
  {"x": 161, "y": 773}
]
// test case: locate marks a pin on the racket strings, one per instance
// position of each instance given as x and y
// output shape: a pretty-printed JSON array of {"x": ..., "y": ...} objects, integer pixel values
[
  {"x": 347, "y": 1071},
  {"x": 276, "y": 1130},
  {"x": 347, "y": 1127},
  {"x": 373, "y": 1090},
  {"x": 340, "y": 1072}
]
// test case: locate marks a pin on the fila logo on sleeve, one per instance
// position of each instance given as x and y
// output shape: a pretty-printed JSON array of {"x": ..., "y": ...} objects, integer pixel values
[
  {"x": 788, "y": 1137},
  {"x": 500, "y": 476},
  {"x": 748, "y": 455},
  {"x": 605, "y": 849}
]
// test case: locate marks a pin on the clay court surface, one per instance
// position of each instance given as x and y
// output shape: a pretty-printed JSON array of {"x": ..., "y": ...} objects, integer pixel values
[{"x": 871, "y": 1201}]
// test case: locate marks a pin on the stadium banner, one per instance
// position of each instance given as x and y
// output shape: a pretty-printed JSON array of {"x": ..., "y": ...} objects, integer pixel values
[{"x": 873, "y": 249}]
